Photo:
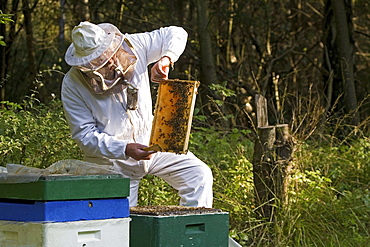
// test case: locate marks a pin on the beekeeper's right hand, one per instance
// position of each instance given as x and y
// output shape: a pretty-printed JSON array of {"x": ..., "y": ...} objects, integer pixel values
[{"x": 134, "y": 150}]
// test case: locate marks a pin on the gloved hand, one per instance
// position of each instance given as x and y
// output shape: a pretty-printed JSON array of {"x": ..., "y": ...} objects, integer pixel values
[{"x": 160, "y": 69}]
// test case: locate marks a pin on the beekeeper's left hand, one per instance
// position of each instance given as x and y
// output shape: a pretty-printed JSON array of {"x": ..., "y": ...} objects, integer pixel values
[{"x": 160, "y": 69}]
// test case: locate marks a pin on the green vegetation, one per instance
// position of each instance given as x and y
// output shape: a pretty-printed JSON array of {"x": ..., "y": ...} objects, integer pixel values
[
  {"x": 35, "y": 134},
  {"x": 4, "y": 18},
  {"x": 329, "y": 195}
]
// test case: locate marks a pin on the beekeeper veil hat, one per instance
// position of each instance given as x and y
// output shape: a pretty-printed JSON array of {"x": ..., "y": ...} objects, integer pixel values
[{"x": 93, "y": 45}]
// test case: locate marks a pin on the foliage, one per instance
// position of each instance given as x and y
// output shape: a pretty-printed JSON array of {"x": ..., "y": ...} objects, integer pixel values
[
  {"x": 346, "y": 165},
  {"x": 232, "y": 170},
  {"x": 329, "y": 197},
  {"x": 4, "y": 18},
  {"x": 35, "y": 134}
]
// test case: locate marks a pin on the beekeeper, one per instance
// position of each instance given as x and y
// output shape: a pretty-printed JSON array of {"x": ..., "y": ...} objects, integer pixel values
[{"x": 107, "y": 103}]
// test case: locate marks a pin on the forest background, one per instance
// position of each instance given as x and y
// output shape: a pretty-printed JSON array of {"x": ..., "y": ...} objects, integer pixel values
[{"x": 309, "y": 58}]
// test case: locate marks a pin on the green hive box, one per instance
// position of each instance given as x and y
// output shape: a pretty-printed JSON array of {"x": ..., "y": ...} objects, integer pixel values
[
  {"x": 67, "y": 187},
  {"x": 196, "y": 227}
]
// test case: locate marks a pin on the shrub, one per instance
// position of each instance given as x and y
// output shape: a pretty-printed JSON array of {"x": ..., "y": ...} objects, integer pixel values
[
  {"x": 35, "y": 135},
  {"x": 329, "y": 197}
]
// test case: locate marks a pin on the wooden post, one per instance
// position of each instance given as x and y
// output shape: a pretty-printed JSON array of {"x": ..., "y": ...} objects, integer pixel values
[
  {"x": 261, "y": 111},
  {"x": 284, "y": 150},
  {"x": 263, "y": 171},
  {"x": 272, "y": 151}
]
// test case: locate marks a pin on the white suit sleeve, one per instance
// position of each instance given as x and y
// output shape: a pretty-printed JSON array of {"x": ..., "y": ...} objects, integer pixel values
[
  {"x": 83, "y": 127},
  {"x": 166, "y": 41}
]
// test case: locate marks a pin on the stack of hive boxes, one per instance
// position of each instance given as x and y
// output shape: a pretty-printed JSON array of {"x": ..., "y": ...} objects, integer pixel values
[{"x": 64, "y": 210}]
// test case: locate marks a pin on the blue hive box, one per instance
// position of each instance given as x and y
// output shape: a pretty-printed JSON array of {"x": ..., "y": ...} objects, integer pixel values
[{"x": 63, "y": 211}]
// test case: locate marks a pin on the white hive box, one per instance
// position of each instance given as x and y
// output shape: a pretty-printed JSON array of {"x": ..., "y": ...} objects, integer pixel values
[{"x": 90, "y": 233}]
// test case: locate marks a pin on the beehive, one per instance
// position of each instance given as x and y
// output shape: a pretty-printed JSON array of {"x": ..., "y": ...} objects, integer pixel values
[
  {"x": 173, "y": 115},
  {"x": 168, "y": 226}
]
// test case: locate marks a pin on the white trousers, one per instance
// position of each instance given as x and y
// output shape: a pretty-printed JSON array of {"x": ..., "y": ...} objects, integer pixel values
[{"x": 191, "y": 177}]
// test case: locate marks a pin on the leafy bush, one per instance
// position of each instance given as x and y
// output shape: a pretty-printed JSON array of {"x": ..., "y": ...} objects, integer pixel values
[
  {"x": 329, "y": 197},
  {"x": 228, "y": 154},
  {"x": 346, "y": 165},
  {"x": 35, "y": 135}
]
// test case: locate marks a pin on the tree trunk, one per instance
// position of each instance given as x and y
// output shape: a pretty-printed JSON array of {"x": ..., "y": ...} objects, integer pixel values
[
  {"x": 261, "y": 111},
  {"x": 32, "y": 69},
  {"x": 229, "y": 51},
  {"x": 2, "y": 54},
  {"x": 5, "y": 51},
  {"x": 340, "y": 57},
  {"x": 346, "y": 53},
  {"x": 61, "y": 26},
  {"x": 284, "y": 144},
  {"x": 208, "y": 68}
]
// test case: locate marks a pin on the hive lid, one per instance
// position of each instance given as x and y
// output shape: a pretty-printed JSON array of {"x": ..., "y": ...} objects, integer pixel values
[{"x": 68, "y": 187}]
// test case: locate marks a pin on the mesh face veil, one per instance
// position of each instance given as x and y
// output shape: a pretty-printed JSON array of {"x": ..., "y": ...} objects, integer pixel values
[
  {"x": 105, "y": 72},
  {"x": 100, "y": 61}
]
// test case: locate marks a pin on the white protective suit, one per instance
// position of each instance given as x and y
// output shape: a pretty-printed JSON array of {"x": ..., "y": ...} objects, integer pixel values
[{"x": 102, "y": 127}]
